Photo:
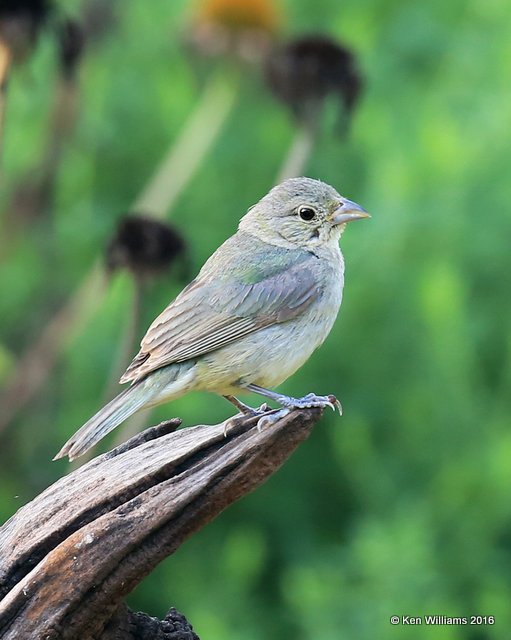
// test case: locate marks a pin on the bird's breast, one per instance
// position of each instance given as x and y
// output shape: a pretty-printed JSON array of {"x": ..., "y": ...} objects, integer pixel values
[{"x": 269, "y": 356}]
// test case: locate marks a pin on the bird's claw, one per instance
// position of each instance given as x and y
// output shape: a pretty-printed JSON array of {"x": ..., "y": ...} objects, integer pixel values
[
  {"x": 249, "y": 413},
  {"x": 335, "y": 404},
  {"x": 271, "y": 418},
  {"x": 307, "y": 402},
  {"x": 312, "y": 400}
]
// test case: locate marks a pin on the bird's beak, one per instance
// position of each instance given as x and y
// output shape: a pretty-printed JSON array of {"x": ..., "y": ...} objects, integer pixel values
[{"x": 347, "y": 211}]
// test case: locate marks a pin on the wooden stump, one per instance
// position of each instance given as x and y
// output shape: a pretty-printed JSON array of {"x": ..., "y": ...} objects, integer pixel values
[{"x": 68, "y": 558}]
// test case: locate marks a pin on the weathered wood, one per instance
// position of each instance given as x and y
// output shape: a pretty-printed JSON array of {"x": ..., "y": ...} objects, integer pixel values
[{"x": 68, "y": 558}]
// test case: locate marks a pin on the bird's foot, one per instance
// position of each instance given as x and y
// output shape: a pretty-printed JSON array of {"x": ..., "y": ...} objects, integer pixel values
[
  {"x": 311, "y": 400},
  {"x": 271, "y": 418},
  {"x": 245, "y": 412},
  {"x": 253, "y": 412},
  {"x": 288, "y": 403}
]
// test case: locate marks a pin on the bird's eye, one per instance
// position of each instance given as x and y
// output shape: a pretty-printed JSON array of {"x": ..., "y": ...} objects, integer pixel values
[{"x": 306, "y": 213}]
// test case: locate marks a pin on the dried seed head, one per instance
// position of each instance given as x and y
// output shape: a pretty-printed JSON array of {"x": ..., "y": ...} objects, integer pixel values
[
  {"x": 303, "y": 72},
  {"x": 144, "y": 246},
  {"x": 243, "y": 28},
  {"x": 20, "y": 23},
  {"x": 240, "y": 14}
]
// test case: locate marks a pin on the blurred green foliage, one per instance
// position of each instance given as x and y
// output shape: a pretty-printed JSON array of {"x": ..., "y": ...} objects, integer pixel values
[{"x": 402, "y": 506}]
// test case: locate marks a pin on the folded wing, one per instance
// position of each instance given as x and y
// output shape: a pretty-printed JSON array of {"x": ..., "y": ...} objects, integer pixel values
[{"x": 208, "y": 315}]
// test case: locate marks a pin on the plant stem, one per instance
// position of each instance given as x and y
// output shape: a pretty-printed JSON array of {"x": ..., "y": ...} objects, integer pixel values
[
  {"x": 185, "y": 156},
  {"x": 129, "y": 339},
  {"x": 299, "y": 153},
  {"x": 38, "y": 360},
  {"x": 170, "y": 179},
  {"x": 5, "y": 65}
]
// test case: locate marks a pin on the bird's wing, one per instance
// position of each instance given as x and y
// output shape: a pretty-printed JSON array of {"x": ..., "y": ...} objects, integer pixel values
[{"x": 210, "y": 314}]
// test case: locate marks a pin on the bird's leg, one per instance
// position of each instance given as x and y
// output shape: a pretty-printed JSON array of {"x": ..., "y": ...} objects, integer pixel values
[
  {"x": 288, "y": 403},
  {"x": 310, "y": 400},
  {"x": 245, "y": 410}
]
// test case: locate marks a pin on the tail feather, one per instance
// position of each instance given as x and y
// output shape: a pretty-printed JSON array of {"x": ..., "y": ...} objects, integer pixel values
[
  {"x": 160, "y": 386},
  {"x": 110, "y": 416}
]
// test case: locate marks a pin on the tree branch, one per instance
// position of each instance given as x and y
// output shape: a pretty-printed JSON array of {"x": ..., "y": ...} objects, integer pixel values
[{"x": 71, "y": 555}]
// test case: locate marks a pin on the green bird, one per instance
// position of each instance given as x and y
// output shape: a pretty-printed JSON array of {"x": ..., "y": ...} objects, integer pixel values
[{"x": 259, "y": 307}]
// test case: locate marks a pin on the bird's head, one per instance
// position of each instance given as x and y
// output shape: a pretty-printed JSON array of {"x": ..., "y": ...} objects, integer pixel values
[{"x": 301, "y": 212}]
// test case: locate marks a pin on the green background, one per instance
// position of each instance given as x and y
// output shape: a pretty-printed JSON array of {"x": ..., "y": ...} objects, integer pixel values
[{"x": 402, "y": 506}]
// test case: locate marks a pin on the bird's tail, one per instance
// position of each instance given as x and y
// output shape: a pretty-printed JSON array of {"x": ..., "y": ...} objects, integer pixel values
[
  {"x": 110, "y": 416},
  {"x": 160, "y": 386}
]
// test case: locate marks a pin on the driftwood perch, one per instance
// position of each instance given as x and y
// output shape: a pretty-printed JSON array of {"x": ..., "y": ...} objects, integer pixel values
[{"x": 68, "y": 558}]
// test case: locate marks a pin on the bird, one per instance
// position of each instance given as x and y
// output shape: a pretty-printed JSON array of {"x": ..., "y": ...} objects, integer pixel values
[{"x": 260, "y": 306}]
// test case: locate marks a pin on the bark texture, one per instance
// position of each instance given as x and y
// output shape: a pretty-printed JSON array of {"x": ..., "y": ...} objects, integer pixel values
[{"x": 69, "y": 557}]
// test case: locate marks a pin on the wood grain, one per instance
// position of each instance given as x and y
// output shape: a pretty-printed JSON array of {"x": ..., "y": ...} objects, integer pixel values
[{"x": 69, "y": 557}]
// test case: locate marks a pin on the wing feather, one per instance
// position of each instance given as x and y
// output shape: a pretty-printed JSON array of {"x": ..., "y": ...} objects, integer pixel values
[{"x": 210, "y": 314}]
